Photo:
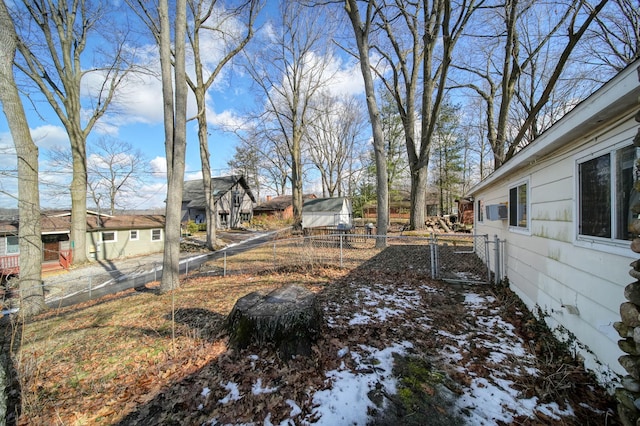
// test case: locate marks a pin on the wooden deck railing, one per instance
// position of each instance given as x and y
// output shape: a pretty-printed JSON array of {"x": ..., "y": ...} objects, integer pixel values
[
  {"x": 10, "y": 264},
  {"x": 66, "y": 258}
]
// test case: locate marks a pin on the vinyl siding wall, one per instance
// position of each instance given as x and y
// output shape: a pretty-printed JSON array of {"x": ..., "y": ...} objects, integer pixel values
[
  {"x": 549, "y": 267},
  {"x": 123, "y": 246}
]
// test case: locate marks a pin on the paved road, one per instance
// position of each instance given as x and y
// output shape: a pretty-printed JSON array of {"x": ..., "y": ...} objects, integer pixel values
[{"x": 100, "y": 278}]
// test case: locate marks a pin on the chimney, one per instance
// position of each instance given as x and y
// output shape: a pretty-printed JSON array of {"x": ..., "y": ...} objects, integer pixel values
[{"x": 268, "y": 198}]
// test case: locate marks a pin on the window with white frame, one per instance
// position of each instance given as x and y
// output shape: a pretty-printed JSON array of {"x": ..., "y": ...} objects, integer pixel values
[
  {"x": 605, "y": 188},
  {"x": 134, "y": 235},
  {"x": 109, "y": 237},
  {"x": 156, "y": 235},
  {"x": 13, "y": 246},
  {"x": 518, "y": 206},
  {"x": 223, "y": 218}
]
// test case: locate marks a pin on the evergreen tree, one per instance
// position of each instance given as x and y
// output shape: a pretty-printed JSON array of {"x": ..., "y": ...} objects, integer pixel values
[{"x": 447, "y": 159}]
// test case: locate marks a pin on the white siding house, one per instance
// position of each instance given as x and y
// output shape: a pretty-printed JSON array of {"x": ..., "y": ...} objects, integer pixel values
[
  {"x": 326, "y": 212},
  {"x": 565, "y": 212}
]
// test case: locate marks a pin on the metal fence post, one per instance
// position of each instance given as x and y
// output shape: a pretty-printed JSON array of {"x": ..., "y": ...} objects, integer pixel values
[
  {"x": 341, "y": 235},
  {"x": 433, "y": 246},
  {"x": 224, "y": 264},
  {"x": 498, "y": 273},
  {"x": 186, "y": 267}
]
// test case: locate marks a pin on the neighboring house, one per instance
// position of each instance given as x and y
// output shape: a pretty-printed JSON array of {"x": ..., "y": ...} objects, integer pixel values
[
  {"x": 562, "y": 206},
  {"x": 56, "y": 250},
  {"x": 108, "y": 237},
  {"x": 113, "y": 237},
  {"x": 326, "y": 212},
  {"x": 232, "y": 197},
  {"x": 280, "y": 207}
]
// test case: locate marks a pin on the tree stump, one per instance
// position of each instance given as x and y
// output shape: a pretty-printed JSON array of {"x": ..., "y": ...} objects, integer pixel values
[{"x": 288, "y": 317}]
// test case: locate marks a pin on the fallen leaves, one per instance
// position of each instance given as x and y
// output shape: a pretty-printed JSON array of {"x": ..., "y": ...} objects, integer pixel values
[{"x": 115, "y": 361}]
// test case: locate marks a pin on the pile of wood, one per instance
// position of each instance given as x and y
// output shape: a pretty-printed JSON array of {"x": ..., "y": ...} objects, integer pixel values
[{"x": 439, "y": 224}]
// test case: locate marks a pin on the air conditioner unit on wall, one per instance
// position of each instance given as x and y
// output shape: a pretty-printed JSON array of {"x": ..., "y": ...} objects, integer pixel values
[{"x": 496, "y": 211}]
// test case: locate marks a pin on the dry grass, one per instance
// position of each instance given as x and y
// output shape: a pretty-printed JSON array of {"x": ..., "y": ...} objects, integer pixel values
[{"x": 94, "y": 363}]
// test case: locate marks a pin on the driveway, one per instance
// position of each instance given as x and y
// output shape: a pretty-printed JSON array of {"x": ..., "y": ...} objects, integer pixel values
[{"x": 103, "y": 277}]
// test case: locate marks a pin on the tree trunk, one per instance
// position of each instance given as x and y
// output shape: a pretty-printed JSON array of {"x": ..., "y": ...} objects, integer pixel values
[
  {"x": 296, "y": 183},
  {"x": 30, "y": 236},
  {"x": 361, "y": 32},
  {"x": 288, "y": 317},
  {"x": 79, "y": 200},
  {"x": 418, "y": 198},
  {"x": 175, "y": 116},
  {"x": 206, "y": 170}
]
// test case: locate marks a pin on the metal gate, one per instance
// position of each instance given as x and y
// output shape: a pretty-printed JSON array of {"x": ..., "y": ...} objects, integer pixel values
[{"x": 467, "y": 258}]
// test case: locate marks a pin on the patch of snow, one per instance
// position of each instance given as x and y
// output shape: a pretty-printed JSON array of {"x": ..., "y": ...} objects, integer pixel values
[
  {"x": 487, "y": 404},
  {"x": 234, "y": 393},
  {"x": 553, "y": 410},
  {"x": 295, "y": 409},
  {"x": 383, "y": 314},
  {"x": 258, "y": 389},
  {"x": 205, "y": 392},
  {"x": 360, "y": 319},
  {"x": 347, "y": 401},
  {"x": 342, "y": 352}
]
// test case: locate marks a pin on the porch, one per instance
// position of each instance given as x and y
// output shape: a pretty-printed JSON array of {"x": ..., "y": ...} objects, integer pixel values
[{"x": 10, "y": 264}]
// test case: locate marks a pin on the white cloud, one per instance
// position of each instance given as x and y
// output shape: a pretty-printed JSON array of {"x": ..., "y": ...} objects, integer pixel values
[
  {"x": 226, "y": 120},
  {"x": 193, "y": 175},
  {"x": 345, "y": 80},
  {"x": 49, "y": 136},
  {"x": 149, "y": 196},
  {"x": 159, "y": 166}
]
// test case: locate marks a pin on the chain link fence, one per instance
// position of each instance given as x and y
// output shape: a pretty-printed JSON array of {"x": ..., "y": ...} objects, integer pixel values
[{"x": 461, "y": 258}]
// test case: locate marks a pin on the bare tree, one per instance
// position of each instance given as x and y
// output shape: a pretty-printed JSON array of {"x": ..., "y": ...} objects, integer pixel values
[
  {"x": 174, "y": 101},
  {"x": 615, "y": 40},
  {"x": 362, "y": 32},
  {"x": 29, "y": 233},
  {"x": 290, "y": 70},
  {"x": 397, "y": 163},
  {"x": 246, "y": 161},
  {"x": 210, "y": 16},
  {"x": 508, "y": 76},
  {"x": 265, "y": 152},
  {"x": 175, "y": 129},
  {"x": 333, "y": 134},
  {"x": 420, "y": 40},
  {"x": 53, "y": 43},
  {"x": 115, "y": 171}
]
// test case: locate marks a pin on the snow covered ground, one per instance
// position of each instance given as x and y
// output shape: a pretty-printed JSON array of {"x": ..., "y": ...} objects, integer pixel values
[{"x": 488, "y": 357}]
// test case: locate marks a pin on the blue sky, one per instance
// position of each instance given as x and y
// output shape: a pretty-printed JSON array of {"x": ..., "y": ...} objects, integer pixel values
[{"x": 139, "y": 122}]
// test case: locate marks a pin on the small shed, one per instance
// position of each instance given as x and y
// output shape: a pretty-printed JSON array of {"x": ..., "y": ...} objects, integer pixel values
[{"x": 327, "y": 212}]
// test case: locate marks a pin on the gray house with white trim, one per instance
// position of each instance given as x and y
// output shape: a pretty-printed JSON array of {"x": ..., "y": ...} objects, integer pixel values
[{"x": 232, "y": 197}]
